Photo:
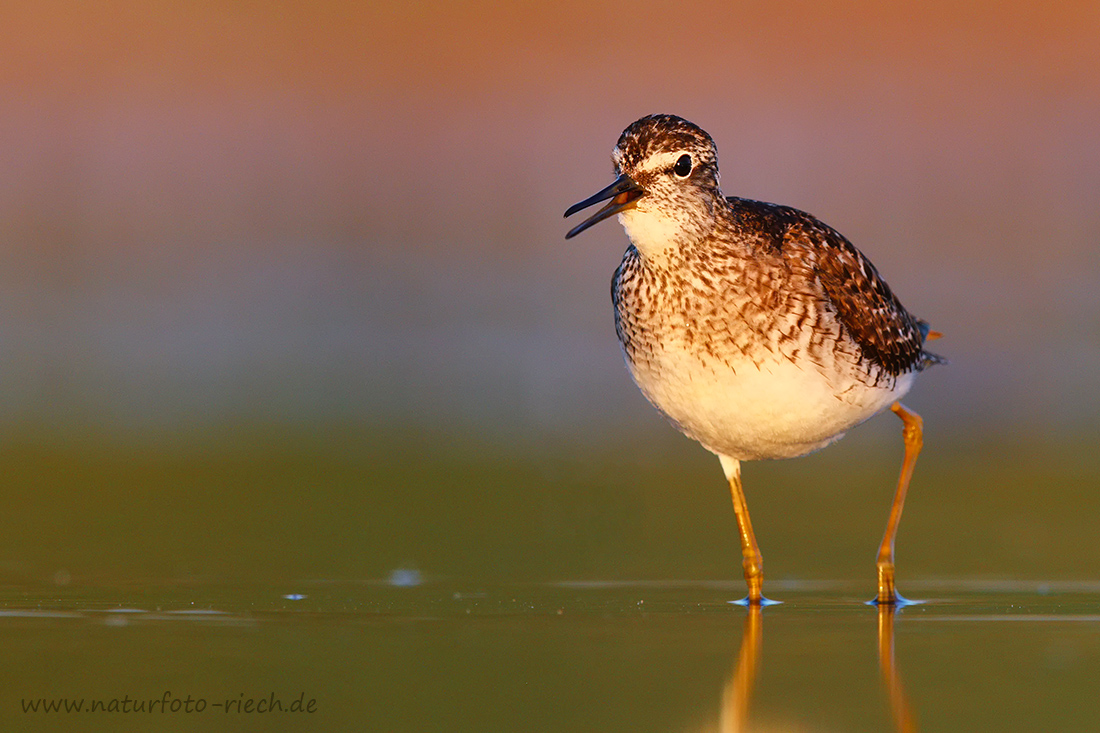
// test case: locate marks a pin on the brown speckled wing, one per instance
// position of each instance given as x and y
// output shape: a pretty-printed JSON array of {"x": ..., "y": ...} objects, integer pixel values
[{"x": 887, "y": 334}]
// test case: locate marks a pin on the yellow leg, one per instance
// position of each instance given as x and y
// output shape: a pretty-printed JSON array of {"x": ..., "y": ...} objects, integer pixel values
[
  {"x": 752, "y": 561},
  {"x": 913, "y": 434}
]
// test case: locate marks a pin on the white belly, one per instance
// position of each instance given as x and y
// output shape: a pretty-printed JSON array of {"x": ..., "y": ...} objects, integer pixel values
[{"x": 748, "y": 411}]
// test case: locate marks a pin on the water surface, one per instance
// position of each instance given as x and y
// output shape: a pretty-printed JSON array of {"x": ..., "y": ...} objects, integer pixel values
[{"x": 453, "y": 655}]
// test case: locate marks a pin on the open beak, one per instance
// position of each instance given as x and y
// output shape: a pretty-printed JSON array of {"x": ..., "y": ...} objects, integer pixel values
[{"x": 623, "y": 193}]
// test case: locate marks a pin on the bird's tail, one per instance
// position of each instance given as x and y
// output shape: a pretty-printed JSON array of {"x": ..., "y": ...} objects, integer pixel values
[{"x": 927, "y": 357}]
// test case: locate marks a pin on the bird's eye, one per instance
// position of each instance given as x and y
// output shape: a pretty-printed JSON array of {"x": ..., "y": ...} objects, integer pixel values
[{"x": 683, "y": 166}]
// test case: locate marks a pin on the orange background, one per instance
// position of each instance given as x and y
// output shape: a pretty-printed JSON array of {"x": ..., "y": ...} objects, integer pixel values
[{"x": 285, "y": 210}]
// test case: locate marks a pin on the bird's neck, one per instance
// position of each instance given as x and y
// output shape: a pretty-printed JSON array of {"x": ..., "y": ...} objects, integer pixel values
[{"x": 658, "y": 233}]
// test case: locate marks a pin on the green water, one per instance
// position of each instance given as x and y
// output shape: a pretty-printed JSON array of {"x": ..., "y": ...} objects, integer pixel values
[
  {"x": 423, "y": 582},
  {"x": 472, "y": 657}
]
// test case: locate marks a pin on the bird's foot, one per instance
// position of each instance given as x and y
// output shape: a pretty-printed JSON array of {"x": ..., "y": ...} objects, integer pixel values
[
  {"x": 898, "y": 601},
  {"x": 761, "y": 601}
]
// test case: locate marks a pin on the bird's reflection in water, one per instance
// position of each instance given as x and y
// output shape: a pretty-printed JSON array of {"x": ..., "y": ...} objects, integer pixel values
[{"x": 737, "y": 696}]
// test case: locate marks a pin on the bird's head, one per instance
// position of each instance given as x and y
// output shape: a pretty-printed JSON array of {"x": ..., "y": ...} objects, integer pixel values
[{"x": 667, "y": 184}]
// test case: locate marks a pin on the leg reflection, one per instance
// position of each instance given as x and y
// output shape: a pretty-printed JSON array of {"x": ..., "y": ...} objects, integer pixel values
[
  {"x": 904, "y": 722},
  {"x": 737, "y": 696},
  {"x": 735, "y": 702}
]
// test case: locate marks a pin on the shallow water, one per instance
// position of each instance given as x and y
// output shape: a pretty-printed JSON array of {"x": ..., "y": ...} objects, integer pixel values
[
  {"x": 408, "y": 654},
  {"x": 140, "y": 581}
]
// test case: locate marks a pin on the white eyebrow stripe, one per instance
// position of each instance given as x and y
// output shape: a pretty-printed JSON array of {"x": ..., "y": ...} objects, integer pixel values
[{"x": 661, "y": 161}]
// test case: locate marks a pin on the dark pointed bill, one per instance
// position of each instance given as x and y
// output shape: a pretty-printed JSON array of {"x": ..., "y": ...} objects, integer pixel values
[{"x": 623, "y": 192}]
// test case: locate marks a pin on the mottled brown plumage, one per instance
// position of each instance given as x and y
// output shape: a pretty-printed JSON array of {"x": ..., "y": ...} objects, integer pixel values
[{"x": 887, "y": 334}]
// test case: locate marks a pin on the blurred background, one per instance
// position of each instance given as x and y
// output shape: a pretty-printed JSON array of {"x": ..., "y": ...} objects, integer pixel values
[{"x": 284, "y": 291}]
